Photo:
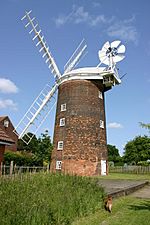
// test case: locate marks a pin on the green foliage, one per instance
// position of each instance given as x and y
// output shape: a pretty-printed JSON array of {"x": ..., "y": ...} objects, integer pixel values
[
  {"x": 45, "y": 147},
  {"x": 137, "y": 150},
  {"x": 31, "y": 147},
  {"x": 48, "y": 199},
  {"x": 40, "y": 149},
  {"x": 144, "y": 125},
  {"x": 143, "y": 163},
  {"x": 113, "y": 154},
  {"x": 21, "y": 159}
]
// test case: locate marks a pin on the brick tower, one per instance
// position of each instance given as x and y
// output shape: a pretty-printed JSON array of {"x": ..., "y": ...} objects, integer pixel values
[{"x": 80, "y": 132}]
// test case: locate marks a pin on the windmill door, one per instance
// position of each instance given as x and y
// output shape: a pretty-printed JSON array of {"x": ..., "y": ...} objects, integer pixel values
[{"x": 103, "y": 167}]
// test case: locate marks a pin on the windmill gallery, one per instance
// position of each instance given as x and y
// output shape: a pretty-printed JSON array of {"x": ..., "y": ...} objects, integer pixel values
[{"x": 80, "y": 145}]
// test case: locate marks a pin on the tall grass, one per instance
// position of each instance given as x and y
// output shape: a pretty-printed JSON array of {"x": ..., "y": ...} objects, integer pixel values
[{"x": 45, "y": 199}]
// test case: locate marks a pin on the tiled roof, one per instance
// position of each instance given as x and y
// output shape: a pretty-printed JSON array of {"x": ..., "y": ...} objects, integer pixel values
[
  {"x": 2, "y": 117},
  {"x": 5, "y": 138}
]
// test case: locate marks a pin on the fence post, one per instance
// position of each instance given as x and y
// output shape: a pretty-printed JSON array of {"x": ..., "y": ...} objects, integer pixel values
[
  {"x": 1, "y": 169},
  {"x": 48, "y": 167},
  {"x": 11, "y": 168},
  {"x": 15, "y": 169}
]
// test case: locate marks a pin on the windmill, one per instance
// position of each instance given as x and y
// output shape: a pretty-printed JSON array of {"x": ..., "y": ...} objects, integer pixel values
[{"x": 80, "y": 145}]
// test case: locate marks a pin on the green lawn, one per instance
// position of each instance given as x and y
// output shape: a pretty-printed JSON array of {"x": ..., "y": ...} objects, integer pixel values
[
  {"x": 126, "y": 211},
  {"x": 124, "y": 176}
]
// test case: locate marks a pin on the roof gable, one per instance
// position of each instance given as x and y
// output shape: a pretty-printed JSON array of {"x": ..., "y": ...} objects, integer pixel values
[
  {"x": 3, "y": 118},
  {"x": 5, "y": 138}
]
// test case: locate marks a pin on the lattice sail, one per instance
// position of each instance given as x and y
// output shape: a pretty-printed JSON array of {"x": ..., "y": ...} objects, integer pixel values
[
  {"x": 37, "y": 113},
  {"x": 76, "y": 57},
  {"x": 40, "y": 43}
]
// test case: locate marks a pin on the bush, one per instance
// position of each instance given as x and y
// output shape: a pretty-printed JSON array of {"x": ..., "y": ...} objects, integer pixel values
[
  {"x": 21, "y": 159},
  {"x": 143, "y": 163},
  {"x": 119, "y": 163}
]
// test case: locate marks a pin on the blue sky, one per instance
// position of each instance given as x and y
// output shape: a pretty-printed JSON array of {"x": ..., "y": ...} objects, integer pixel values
[{"x": 64, "y": 23}]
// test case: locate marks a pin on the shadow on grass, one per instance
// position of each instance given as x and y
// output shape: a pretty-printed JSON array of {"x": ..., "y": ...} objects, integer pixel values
[{"x": 145, "y": 205}]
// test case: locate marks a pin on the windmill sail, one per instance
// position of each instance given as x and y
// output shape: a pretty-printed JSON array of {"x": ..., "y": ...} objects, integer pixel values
[
  {"x": 40, "y": 42},
  {"x": 37, "y": 113},
  {"x": 76, "y": 56}
]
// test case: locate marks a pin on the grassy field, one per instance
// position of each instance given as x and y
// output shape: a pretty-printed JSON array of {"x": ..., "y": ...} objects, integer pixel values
[
  {"x": 120, "y": 176},
  {"x": 45, "y": 199},
  {"x": 126, "y": 211}
]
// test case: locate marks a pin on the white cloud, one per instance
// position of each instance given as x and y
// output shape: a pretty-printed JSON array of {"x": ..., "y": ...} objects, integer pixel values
[
  {"x": 7, "y": 103},
  {"x": 100, "y": 19},
  {"x": 62, "y": 19},
  {"x": 123, "y": 29},
  {"x": 115, "y": 125},
  {"x": 80, "y": 15},
  {"x": 7, "y": 86}
]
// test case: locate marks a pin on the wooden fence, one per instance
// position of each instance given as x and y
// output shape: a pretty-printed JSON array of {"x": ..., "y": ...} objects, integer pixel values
[
  {"x": 13, "y": 170},
  {"x": 130, "y": 169}
]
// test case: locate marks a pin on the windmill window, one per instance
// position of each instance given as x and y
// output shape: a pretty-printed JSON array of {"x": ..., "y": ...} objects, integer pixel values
[
  {"x": 101, "y": 124},
  {"x": 63, "y": 107},
  {"x": 60, "y": 145},
  {"x": 62, "y": 122},
  {"x": 58, "y": 165},
  {"x": 100, "y": 95},
  {"x": 6, "y": 123}
]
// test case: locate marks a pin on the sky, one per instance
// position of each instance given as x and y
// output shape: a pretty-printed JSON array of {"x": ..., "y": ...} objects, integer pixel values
[{"x": 64, "y": 23}]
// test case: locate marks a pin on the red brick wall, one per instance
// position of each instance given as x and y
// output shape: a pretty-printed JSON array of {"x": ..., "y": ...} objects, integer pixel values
[
  {"x": 2, "y": 150},
  {"x": 84, "y": 140},
  {"x": 9, "y": 131}
]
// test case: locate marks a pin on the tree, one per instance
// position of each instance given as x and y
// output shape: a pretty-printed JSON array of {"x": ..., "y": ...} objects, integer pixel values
[
  {"x": 31, "y": 147},
  {"x": 144, "y": 125},
  {"x": 44, "y": 148},
  {"x": 113, "y": 153},
  {"x": 137, "y": 149},
  {"x": 40, "y": 148}
]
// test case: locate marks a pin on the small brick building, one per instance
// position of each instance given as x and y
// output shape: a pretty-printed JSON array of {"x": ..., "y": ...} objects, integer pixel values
[
  {"x": 5, "y": 141},
  {"x": 7, "y": 126}
]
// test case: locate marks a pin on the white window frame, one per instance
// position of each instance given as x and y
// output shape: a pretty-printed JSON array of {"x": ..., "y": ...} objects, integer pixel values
[
  {"x": 60, "y": 145},
  {"x": 100, "y": 95},
  {"x": 101, "y": 124},
  {"x": 62, "y": 122},
  {"x": 63, "y": 107},
  {"x": 6, "y": 123},
  {"x": 58, "y": 165}
]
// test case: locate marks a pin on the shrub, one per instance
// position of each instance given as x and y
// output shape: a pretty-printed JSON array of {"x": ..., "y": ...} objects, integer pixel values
[
  {"x": 143, "y": 163},
  {"x": 21, "y": 159}
]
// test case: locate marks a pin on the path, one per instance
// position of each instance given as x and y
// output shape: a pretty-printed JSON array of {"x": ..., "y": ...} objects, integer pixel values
[
  {"x": 142, "y": 193},
  {"x": 117, "y": 188}
]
